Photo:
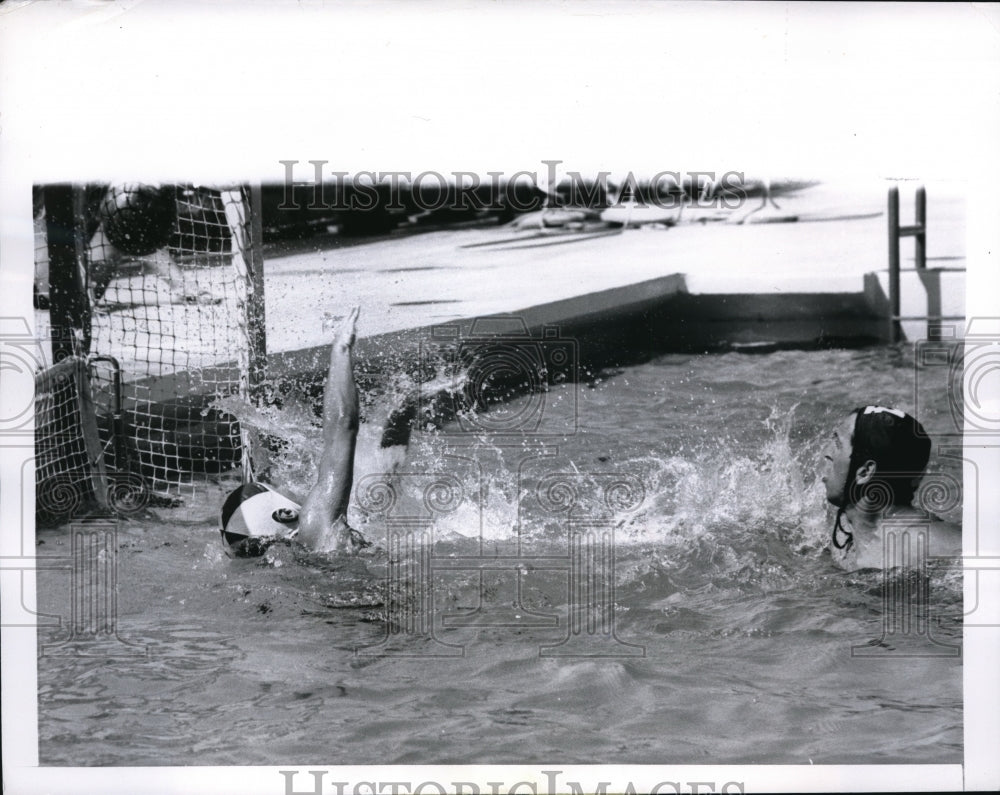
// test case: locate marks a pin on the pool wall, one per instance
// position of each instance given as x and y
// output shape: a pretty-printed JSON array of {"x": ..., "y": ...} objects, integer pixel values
[{"x": 626, "y": 324}]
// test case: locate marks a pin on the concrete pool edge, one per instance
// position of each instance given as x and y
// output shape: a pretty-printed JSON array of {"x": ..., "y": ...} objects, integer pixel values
[{"x": 623, "y": 324}]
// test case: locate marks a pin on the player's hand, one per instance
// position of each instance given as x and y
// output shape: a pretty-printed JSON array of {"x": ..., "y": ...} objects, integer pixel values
[{"x": 343, "y": 335}]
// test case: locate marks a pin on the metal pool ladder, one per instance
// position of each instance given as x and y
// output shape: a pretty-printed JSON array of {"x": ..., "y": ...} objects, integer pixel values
[{"x": 918, "y": 231}]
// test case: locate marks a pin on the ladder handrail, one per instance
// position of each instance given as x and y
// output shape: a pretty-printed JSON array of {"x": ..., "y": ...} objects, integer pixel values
[{"x": 918, "y": 231}]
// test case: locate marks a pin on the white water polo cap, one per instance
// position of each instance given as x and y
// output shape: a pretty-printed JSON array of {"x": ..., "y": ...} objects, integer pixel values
[{"x": 253, "y": 516}]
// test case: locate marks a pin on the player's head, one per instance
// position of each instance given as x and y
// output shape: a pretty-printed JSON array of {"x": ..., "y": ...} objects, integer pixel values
[
  {"x": 252, "y": 517},
  {"x": 877, "y": 454}
]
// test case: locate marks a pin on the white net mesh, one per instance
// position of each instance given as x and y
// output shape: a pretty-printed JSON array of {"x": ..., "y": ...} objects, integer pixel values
[
  {"x": 65, "y": 456},
  {"x": 167, "y": 274}
]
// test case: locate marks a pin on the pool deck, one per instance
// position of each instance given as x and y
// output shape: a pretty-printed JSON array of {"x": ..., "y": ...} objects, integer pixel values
[{"x": 694, "y": 286}]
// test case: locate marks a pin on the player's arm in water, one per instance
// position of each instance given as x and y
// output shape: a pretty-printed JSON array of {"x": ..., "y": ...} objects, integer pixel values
[{"x": 323, "y": 519}]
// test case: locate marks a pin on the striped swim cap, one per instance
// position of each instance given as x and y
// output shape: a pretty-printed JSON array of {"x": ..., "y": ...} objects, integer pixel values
[{"x": 253, "y": 516}]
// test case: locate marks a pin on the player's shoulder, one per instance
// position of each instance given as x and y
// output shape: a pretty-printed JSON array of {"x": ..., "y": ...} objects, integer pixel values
[{"x": 944, "y": 538}]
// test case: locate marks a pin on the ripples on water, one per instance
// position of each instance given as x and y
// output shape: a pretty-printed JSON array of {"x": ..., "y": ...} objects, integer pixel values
[{"x": 720, "y": 571}]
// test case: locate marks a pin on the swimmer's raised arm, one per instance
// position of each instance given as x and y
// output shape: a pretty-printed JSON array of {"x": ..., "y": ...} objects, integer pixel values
[
  {"x": 254, "y": 515},
  {"x": 323, "y": 519}
]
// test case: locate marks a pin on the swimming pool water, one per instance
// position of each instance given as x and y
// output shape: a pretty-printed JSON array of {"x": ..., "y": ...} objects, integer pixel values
[{"x": 735, "y": 630}]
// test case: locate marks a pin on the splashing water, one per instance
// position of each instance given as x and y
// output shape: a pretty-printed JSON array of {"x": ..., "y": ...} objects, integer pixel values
[
  {"x": 715, "y": 501},
  {"x": 702, "y": 467}
]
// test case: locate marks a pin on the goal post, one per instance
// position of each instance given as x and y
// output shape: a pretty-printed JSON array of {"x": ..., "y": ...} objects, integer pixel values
[
  {"x": 165, "y": 282},
  {"x": 68, "y": 306}
]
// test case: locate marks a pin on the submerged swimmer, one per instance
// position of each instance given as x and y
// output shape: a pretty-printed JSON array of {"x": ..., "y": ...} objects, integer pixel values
[
  {"x": 874, "y": 464},
  {"x": 255, "y": 516}
]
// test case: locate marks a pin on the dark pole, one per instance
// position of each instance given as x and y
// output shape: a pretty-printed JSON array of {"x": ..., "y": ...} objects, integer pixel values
[
  {"x": 256, "y": 362},
  {"x": 67, "y": 299},
  {"x": 255, "y": 303},
  {"x": 920, "y": 235},
  {"x": 894, "y": 303}
]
